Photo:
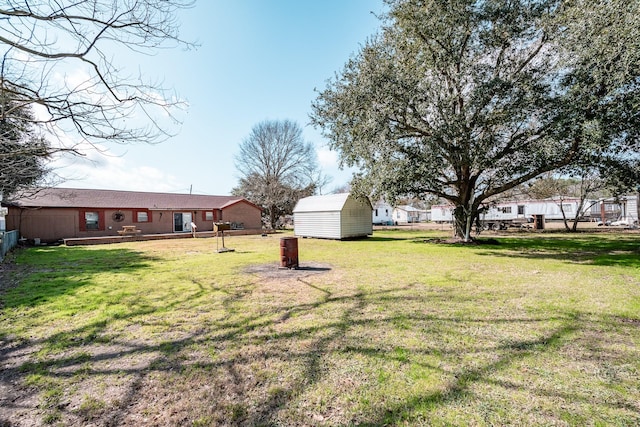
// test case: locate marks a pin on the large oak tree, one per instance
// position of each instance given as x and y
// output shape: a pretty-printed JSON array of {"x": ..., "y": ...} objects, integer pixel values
[{"x": 466, "y": 99}]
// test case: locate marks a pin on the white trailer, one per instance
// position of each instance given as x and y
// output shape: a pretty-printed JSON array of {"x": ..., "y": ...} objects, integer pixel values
[{"x": 518, "y": 213}]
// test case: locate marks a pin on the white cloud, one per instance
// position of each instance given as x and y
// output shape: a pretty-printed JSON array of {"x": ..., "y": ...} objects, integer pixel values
[
  {"x": 100, "y": 169},
  {"x": 78, "y": 78},
  {"x": 327, "y": 158}
]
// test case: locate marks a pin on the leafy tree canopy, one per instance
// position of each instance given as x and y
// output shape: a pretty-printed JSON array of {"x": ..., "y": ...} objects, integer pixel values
[
  {"x": 23, "y": 151},
  {"x": 466, "y": 99}
]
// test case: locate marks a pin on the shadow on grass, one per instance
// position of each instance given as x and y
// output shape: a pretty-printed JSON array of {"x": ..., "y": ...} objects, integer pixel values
[
  {"x": 375, "y": 238},
  {"x": 226, "y": 389},
  {"x": 44, "y": 365},
  {"x": 459, "y": 386},
  {"x": 53, "y": 272},
  {"x": 605, "y": 250},
  {"x": 464, "y": 380}
]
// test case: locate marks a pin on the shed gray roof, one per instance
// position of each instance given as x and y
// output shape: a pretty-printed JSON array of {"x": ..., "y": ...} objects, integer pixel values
[
  {"x": 325, "y": 203},
  {"x": 85, "y": 198}
]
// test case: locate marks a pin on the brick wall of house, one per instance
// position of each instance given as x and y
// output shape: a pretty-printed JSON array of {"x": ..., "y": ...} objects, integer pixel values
[
  {"x": 243, "y": 213},
  {"x": 54, "y": 224}
]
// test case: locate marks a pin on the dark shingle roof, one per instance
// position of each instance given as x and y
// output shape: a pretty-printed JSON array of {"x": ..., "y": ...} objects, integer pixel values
[{"x": 85, "y": 198}]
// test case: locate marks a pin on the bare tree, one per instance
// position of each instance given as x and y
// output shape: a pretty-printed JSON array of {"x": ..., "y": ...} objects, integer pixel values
[
  {"x": 58, "y": 59},
  {"x": 278, "y": 167}
]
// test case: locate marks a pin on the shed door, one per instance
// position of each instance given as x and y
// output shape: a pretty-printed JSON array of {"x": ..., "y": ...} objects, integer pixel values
[{"x": 182, "y": 221}]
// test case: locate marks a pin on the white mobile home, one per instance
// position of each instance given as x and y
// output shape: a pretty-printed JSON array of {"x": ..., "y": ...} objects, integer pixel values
[
  {"x": 506, "y": 213},
  {"x": 382, "y": 213},
  {"x": 334, "y": 216},
  {"x": 408, "y": 214}
]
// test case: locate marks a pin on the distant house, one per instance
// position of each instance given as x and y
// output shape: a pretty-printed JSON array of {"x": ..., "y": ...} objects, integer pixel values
[
  {"x": 408, "y": 214},
  {"x": 59, "y": 213},
  {"x": 382, "y": 213},
  {"x": 334, "y": 216}
]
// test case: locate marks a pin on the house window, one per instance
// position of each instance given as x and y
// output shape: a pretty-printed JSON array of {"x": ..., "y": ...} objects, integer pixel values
[
  {"x": 567, "y": 208},
  {"x": 520, "y": 209},
  {"x": 92, "y": 221},
  {"x": 141, "y": 216},
  {"x": 208, "y": 215},
  {"x": 376, "y": 212},
  {"x": 506, "y": 209}
]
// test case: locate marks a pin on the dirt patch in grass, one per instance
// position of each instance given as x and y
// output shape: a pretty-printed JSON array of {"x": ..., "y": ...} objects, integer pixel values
[
  {"x": 274, "y": 271},
  {"x": 8, "y": 268},
  {"x": 13, "y": 354},
  {"x": 303, "y": 285}
]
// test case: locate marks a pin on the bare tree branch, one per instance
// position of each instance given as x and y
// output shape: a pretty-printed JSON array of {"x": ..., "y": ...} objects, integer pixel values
[
  {"x": 278, "y": 167},
  {"x": 43, "y": 42}
]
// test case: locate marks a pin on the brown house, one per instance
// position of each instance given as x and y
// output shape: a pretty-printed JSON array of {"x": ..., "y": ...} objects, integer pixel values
[{"x": 58, "y": 213}]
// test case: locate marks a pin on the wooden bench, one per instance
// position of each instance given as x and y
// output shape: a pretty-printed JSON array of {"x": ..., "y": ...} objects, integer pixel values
[{"x": 129, "y": 230}]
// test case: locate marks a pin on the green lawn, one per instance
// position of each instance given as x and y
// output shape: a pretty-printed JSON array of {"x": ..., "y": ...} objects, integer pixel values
[{"x": 399, "y": 329}]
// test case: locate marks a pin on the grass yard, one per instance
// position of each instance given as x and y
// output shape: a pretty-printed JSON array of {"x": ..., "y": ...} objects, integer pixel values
[{"x": 398, "y": 329}]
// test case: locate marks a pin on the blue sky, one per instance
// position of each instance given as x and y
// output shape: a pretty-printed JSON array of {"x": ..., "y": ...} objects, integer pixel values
[{"x": 257, "y": 60}]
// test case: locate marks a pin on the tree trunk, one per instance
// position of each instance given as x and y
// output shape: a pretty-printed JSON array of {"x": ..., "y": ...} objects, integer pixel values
[
  {"x": 272, "y": 216},
  {"x": 565, "y": 220},
  {"x": 463, "y": 222},
  {"x": 574, "y": 227},
  {"x": 579, "y": 208}
]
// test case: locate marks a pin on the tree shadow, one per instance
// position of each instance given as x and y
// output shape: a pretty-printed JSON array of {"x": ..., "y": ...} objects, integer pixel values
[
  {"x": 464, "y": 379},
  {"x": 226, "y": 387},
  {"x": 621, "y": 251},
  {"x": 375, "y": 238},
  {"x": 55, "y": 272}
]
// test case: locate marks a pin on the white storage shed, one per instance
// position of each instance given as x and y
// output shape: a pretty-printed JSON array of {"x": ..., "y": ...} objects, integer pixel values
[{"x": 334, "y": 216}]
